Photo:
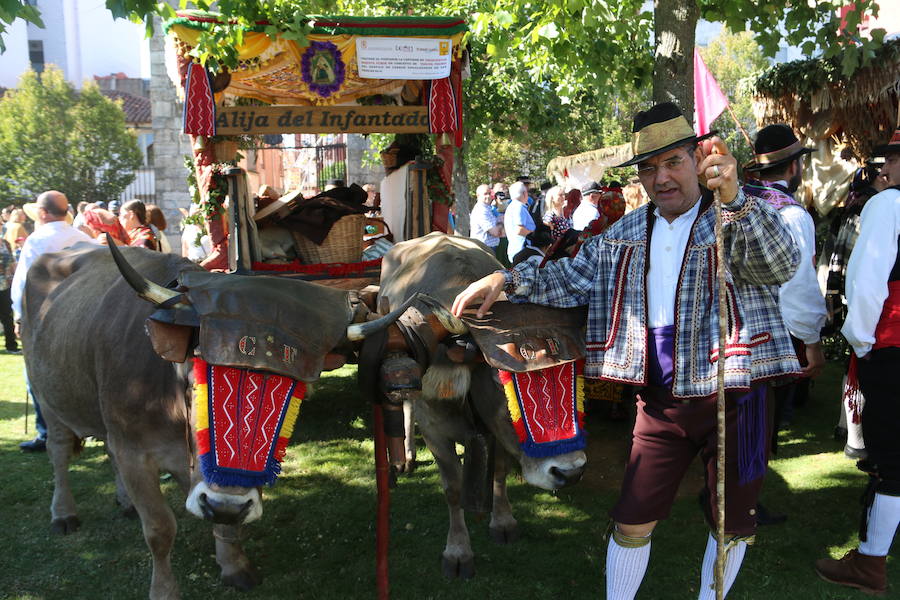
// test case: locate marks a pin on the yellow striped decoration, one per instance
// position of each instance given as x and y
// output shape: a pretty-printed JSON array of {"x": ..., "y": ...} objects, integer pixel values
[
  {"x": 201, "y": 406},
  {"x": 512, "y": 403},
  {"x": 579, "y": 393},
  {"x": 290, "y": 417}
]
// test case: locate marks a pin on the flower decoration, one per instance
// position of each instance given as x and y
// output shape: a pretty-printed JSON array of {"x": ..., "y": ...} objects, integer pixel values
[{"x": 322, "y": 68}]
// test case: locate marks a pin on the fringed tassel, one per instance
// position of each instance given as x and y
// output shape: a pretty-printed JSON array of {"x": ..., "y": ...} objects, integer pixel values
[
  {"x": 752, "y": 439},
  {"x": 851, "y": 391},
  {"x": 579, "y": 442},
  {"x": 212, "y": 473}
]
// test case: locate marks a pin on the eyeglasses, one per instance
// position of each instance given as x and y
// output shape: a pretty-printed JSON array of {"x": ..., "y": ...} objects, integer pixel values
[{"x": 672, "y": 164}]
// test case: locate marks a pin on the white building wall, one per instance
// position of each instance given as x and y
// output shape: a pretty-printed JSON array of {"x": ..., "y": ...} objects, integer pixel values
[
  {"x": 109, "y": 45},
  {"x": 14, "y": 61},
  {"x": 53, "y": 35},
  {"x": 81, "y": 38}
]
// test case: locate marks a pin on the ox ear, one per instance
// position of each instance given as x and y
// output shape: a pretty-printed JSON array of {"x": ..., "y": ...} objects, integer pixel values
[{"x": 171, "y": 342}]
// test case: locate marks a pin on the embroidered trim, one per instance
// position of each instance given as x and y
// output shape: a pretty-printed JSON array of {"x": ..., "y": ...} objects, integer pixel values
[
  {"x": 729, "y": 216},
  {"x": 513, "y": 281},
  {"x": 618, "y": 301},
  {"x": 741, "y": 349}
]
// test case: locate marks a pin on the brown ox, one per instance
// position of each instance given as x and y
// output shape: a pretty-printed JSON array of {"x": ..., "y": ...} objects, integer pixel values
[
  {"x": 96, "y": 373},
  {"x": 461, "y": 400}
]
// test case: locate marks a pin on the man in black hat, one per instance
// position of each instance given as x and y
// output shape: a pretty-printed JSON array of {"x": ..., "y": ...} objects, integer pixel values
[
  {"x": 649, "y": 282},
  {"x": 872, "y": 328},
  {"x": 773, "y": 177},
  {"x": 587, "y": 211}
]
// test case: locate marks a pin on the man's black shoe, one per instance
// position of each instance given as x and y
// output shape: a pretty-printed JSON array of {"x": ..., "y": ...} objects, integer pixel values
[
  {"x": 764, "y": 517},
  {"x": 38, "y": 444}
]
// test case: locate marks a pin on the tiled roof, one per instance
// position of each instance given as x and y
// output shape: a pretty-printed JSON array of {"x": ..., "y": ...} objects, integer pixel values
[{"x": 137, "y": 109}]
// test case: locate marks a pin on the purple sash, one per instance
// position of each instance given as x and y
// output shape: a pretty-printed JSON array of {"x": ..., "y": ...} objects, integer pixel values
[{"x": 751, "y": 421}]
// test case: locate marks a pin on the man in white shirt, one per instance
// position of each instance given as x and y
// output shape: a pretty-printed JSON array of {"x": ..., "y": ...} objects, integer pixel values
[
  {"x": 517, "y": 221},
  {"x": 484, "y": 224},
  {"x": 51, "y": 234},
  {"x": 587, "y": 211},
  {"x": 872, "y": 328},
  {"x": 774, "y": 177}
]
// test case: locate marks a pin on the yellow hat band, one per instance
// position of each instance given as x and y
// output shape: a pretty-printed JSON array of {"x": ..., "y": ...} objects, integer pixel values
[{"x": 659, "y": 135}]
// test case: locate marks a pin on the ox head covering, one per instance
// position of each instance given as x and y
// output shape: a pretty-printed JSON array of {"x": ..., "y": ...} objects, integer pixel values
[
  {"x": 892, "y": 146},
  {"x": 776, "y": 145},
  {"x": 658, "y": 130}
]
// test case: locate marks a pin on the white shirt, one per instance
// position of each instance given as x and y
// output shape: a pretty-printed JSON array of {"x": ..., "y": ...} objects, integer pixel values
[
  {"x": 481, "y": 220},
  {"x": 583, "y": 215},
  {"x": 516, "y": 215},
  {"x": 668, "y": 242},
  {"x": 800, "y": 298},
  {"x": 49, "y": 237},
  {"x": 870, "y": 265}
]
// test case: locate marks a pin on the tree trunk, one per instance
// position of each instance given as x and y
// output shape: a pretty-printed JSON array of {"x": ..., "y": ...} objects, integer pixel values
[
  {"x": 461, "y": 190},
  {"x": 675, "y": 25}
]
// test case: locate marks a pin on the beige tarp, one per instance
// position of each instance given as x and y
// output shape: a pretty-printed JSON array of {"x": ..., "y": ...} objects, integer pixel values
[{"x": 576, "y": 170}]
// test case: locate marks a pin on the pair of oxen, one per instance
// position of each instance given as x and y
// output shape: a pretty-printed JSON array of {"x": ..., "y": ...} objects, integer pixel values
[{"x": 107, "y": 363}]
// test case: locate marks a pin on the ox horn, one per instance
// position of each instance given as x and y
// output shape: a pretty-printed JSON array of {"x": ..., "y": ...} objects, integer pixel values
[
  {"x": 451, "y": 323},
  {"x": 360, "y": 331},
  {"x": 146, "y": 289}
]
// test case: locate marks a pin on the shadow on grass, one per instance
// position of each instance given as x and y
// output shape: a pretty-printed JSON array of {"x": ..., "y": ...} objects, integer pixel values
[
  {"x": 316, "y": 536},
  {"x": 15, "y": 410}
]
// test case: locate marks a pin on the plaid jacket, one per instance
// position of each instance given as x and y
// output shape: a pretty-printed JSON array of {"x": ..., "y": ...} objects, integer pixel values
[{"x": 609, "y": 275}]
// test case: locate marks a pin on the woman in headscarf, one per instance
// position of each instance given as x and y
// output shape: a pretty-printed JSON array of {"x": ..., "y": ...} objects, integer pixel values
[
  {"x": 98, "y": 221},
  {"x": 133, "y": 217}
]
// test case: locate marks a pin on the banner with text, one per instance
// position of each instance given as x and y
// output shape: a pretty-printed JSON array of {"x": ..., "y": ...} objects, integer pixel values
[
  {"x": 403, "y": 58},
  {"x": 253, "y": 120}
]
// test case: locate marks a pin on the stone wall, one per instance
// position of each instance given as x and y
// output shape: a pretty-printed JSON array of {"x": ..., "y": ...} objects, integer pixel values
[{"x": 170, "y": 146}]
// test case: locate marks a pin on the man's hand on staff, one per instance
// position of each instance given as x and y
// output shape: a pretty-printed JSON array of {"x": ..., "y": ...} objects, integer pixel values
[
  {"x": 719, "y": 168},
  {"x": 486, "y": 289}
]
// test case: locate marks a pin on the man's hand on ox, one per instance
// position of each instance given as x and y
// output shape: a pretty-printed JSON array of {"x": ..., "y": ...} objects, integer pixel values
[
  {"x": 719, "y": 168},
  {"x": 487, "y": 289}
]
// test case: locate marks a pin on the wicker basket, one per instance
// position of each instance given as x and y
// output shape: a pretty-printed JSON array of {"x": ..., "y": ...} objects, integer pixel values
[{"x": 343, "y": 244}]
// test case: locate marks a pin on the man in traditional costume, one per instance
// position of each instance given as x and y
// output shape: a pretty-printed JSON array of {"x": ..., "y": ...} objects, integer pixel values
[
  {"x": 773, "y": 177},
  {"x": 872, "y": 328},
  {"x": 649, "y": 282}
]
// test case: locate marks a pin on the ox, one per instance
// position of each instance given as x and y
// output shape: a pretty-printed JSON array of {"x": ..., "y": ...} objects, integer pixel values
[
  {"x": 96, "y": 373},
  {"x": 461, "y": 399}
]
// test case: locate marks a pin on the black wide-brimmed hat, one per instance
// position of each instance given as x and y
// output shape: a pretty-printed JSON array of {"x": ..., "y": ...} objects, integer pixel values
[
  {"x": 776, "y": 145},
  {"x": 658, "y": 130},
  {"x": 891, "y": 146}
]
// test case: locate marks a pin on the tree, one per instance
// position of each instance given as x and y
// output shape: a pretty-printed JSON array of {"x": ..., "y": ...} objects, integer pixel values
[{"x": 54, "y": 137}]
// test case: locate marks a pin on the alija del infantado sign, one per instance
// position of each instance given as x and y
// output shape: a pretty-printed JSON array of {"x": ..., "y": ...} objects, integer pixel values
[{"x": 252, "y": 120}]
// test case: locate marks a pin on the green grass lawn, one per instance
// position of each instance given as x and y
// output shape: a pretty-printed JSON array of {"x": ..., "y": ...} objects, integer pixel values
[{"x": 316, "y": 537}]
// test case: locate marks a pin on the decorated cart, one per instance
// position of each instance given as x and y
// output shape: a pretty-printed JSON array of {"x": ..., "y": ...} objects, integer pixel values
[
  {"x": 363, "y": 75},
  {"x": 398, "y": 75}
]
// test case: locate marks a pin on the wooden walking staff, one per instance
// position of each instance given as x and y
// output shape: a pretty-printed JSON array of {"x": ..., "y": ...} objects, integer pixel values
[{"x": 720, "y": 399}]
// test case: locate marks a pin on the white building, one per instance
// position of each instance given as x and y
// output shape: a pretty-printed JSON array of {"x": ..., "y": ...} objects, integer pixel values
[{"x": 80, "y": 37}]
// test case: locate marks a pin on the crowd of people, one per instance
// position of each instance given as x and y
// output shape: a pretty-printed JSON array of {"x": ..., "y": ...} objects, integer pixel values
[
  {"x": 50, "y": 224},
  {"x": 519, "y": 221},
  {"x": 649, "y": 283}
]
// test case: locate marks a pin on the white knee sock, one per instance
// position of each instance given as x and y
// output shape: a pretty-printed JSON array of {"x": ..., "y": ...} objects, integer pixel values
[
  {"x": 625, "y": 568},
  {"x": 884, "y": 515},
  {"x": 733, "y": 559}
]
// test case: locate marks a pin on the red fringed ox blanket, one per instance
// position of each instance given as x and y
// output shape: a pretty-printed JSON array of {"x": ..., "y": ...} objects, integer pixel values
[
  {"x": 547, "y": 408},
  {"x": 244, "y": 421}
]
